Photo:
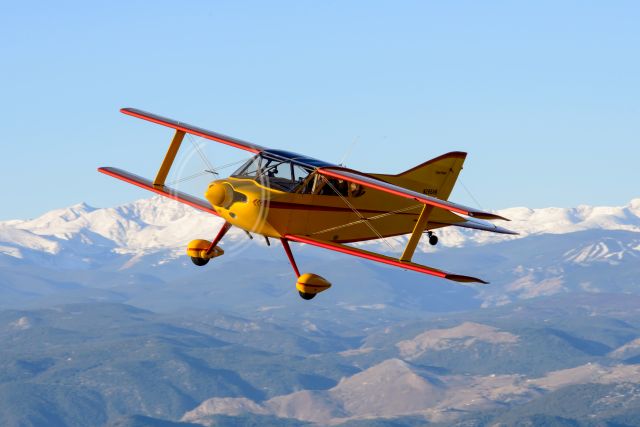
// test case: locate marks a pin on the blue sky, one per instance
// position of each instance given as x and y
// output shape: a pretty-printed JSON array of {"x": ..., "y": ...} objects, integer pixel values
[{"x": 544, "y": 95}]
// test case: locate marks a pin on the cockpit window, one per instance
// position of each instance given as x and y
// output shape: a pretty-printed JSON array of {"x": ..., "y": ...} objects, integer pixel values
[
  {"x": 249, "y": 169},
  {"x": 274, "y": 172},
  {"x": 323, "y": 186},
  {"x": 287, "y": 175}
]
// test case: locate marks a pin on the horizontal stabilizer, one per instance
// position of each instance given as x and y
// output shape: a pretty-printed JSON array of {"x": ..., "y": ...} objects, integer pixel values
[
  {"x": 179, "y": 196},
  {"x": 383, "y": 259},
  {"x": 475, "y": 225}
]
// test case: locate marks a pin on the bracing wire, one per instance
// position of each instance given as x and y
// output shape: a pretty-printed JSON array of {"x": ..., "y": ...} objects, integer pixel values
[
  {"x": 204, "y": 158},
  {"x": 188, "y": 178},
  {"x": 470, "y": 194},
  {"x": 210, "y": 168},
  {"x": 371, "y": 218},
  {"x": 362, "y": 217}
]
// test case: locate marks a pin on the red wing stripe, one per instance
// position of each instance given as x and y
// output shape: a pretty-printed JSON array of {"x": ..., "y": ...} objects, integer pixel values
[
  {"x": 383, "y": 259},
  {"x": 179, "y": 196},
  {"x": 194, "y": 130},
  {"x": 377, "y": 184}
]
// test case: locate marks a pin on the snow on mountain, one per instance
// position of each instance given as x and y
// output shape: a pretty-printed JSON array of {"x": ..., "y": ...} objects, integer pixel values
[
  {"x": 157, "y": 223},
  {"x": 550, "y": 220},
  {"x": 79, "y": 235},
  {"x": 144, "y": 224},
  {"x": 608, "y": 250}
]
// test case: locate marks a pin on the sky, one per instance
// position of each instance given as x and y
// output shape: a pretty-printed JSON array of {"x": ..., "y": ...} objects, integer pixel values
[{"x": 543, "y": 95}]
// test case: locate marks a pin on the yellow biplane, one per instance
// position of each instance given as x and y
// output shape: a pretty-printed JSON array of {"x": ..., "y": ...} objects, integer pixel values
[{"x": 295, "y": 198}]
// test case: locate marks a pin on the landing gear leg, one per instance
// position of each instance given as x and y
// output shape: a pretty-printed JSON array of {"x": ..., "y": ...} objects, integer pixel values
[
  {"x": 225, "y": 227},
  {"x": 287, "y": 249},
  {"x": 433, "y": 239}
]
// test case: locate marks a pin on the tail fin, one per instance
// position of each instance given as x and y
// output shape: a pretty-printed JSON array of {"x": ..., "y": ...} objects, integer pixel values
[{"x": 435, "y": 177}]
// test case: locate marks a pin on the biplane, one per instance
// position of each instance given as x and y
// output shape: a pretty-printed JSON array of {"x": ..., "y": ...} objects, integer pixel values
[{"x": 295, "y": 198}]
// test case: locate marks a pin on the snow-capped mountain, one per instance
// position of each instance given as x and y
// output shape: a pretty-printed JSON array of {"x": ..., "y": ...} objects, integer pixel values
[
  {"x": 157, "y": 223},
  {"x": 136, "y": 253}
]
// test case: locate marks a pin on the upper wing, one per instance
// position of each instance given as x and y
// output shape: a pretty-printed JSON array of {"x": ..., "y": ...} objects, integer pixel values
[
  {"x": 384, "y": 259},
  {"x": 194, "y": 130},
  {"x": 371, "y": 182},
  {"x": 134, "y": 179}
]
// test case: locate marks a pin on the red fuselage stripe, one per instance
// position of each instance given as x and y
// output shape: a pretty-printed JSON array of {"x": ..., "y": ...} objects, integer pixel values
[{"x": 307, "y": 207}]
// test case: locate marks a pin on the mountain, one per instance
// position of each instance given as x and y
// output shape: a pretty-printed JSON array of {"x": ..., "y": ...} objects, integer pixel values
[
  {"x": 114, "y": 364},
  {"x": 395, "y": 389},
  {"x": 444, "y": 391},
  {"x": 104, "y": 321},
  {"x": 134, "y": 254},
  {"x": 157, "y": 224},
  {"x": 86, "y": 364}
]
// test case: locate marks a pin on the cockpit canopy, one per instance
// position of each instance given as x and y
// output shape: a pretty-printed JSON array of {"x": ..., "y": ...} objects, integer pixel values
[
  {"x": 275, "y": 172},
  {"x": 293, "y": 173}
]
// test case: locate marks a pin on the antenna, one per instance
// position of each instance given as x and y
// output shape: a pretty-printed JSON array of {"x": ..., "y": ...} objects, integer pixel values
[{"x": 348, "y": 152}]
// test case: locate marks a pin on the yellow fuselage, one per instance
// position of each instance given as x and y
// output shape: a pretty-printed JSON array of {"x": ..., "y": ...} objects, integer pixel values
[{"x": 256, "y": 208}]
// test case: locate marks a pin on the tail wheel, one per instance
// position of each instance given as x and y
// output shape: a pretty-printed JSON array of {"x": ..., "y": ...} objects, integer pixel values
[
  {"x": 307, "y": 296},
  {"x": 199, "y": 261}
]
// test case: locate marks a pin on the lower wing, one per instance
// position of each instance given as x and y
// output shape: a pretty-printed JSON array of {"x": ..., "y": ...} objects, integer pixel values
[
  {"x": 383, "y": 259},
  {"x": 163, "y": 190}
]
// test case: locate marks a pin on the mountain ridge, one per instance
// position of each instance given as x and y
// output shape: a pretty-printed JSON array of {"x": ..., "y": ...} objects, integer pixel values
[
  {"x": 135, "y": 253},
  {"x": 157, "y": 223}
]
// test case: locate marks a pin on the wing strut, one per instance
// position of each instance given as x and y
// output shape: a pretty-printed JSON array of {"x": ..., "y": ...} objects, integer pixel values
[
  {"x": 418, "y": 229},
  {"x": 169, "y": 158}
]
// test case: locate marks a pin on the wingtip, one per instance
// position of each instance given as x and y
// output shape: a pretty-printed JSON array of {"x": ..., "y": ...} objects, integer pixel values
[
  {"x": 488, "y": 216},
  {"x": 503, "y": 230},
  {"x": 465, "y": 279}
]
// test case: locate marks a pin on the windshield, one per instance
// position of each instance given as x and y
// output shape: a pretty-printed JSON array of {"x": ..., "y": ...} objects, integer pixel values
[{"x": 274, "y": 172}]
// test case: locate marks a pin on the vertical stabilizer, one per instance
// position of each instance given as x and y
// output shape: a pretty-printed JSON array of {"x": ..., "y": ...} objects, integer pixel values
[{"x": 435, "y": 177}]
